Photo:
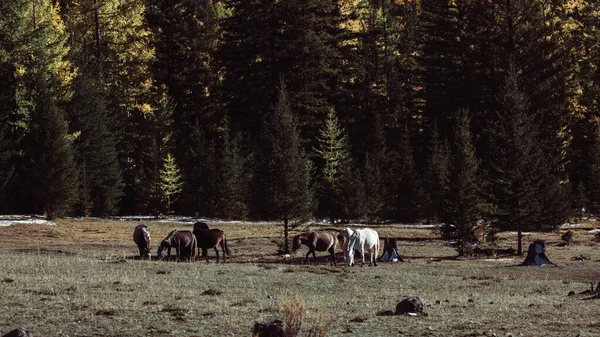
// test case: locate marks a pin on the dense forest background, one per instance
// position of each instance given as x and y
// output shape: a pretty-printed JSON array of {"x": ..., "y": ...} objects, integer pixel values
[{"x": 451, "y": 111}]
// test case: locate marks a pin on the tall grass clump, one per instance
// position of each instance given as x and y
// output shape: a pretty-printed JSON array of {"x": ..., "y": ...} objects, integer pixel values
[{"x": 294, "y": 312}]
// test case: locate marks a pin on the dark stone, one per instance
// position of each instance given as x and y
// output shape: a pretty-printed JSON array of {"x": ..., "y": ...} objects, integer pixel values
[
  {"x": 409, "y": 305},
  {"x": 20, "y": 332},
  {"x": 269, "y": 329}
]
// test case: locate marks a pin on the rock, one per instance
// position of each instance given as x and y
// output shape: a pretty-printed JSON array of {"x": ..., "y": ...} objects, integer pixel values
[
  {"x": 409, "y": 304},
  {"x": 269, "y": 329},
  {"x": 20, "y": 332}
]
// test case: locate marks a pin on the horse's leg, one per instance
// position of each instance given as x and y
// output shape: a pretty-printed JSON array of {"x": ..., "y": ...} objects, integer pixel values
[
  {"x": 141, "y": 249},
  {"x": 332, "y": 252},
  {"x": 306, "y": 259},
  {"x": 314, "y": 256},
  {"x": 217, "y": 252},
  {"x": 362, "y": 255}
]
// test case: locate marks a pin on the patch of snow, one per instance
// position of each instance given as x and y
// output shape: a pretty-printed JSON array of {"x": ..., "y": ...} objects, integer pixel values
[
  {"x": 8, "y": 220},
  {"x": 594, "y": 230},
  {"x": 570, "y": 225}
]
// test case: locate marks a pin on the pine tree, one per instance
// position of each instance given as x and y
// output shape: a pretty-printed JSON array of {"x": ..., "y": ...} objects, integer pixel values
[
  {"x": 158, "y": 166},
  {"x": 288, "y": 191},
  {"x": 53, "y": 166},
  {"x": 185, "y": 41},
  {"x": 170, "y": 181},
  {"x": 436, "y": 176},
  {"x": 340, "y": 184},
  {"x": 45, "y": 85},
  {"x": 232, "y": 188},
  {"x": 592, "y": 178},
  {"x": 407, "y": 195},
  {"x": 114, "y": 37},
  {"x": 376, "y": 173},
  {"x": 526, "y": 189},
  {"x": 463, "y": 199},
  {"x": 101, "y": 182}
]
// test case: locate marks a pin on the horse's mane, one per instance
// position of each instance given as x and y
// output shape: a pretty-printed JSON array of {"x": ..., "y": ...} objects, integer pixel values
[{"x": 170, "y": 235}]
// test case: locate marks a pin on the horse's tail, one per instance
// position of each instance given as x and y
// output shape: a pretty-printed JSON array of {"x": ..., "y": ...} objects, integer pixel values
[
  {"x": 194, "y": 248},
  {"x": 225, "y": 247}
]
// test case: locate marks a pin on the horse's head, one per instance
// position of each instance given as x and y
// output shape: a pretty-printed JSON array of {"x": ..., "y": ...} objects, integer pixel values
[
  {"x": 296, "y": 242},
  {"x": 163, "y": 244},
  {"x": 148, "y": 255},
  {"x": 349, "y": 251}
]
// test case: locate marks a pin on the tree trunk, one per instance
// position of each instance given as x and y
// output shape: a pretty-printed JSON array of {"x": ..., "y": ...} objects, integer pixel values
[
  {"x": 519, "y": 242},
  {"x": 286, "y": 232}
]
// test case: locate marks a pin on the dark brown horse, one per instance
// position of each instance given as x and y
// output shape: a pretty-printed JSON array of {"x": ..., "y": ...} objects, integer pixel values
[
  {"x": 316, "y": 241},
  {"x": 211, "y": 238},
  {"x": 184, "y": 243},
  {"x": 141, "y": 237},
  {"x": 201, "y": 225}
]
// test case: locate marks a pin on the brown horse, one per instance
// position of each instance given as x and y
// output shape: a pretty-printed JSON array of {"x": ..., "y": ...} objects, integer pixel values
[
  {"x": 316, "y": 241},
  {"x": 201, "y": 225},
  {"x": 141, "y": 237},
  {"x": 184, "y": 243},
  {"x": 211, "y": 238}
]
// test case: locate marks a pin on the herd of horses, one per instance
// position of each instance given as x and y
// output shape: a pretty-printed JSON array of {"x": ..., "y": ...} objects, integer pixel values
[{"x": 189, "y": 244}]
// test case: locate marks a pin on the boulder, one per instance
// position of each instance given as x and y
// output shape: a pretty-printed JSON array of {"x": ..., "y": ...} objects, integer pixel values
[
  {"x": 269, "y": 329},
  {"x": 409, "y": 305},
  {"x": 20, "y": 332}
]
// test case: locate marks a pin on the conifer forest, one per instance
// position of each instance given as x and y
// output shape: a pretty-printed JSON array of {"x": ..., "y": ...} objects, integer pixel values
[{"x": 451, "y": 111}]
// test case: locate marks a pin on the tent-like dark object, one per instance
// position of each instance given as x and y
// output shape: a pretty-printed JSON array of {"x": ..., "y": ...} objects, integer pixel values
[
  {"x": 390, "y": 251},
  {"x": 536, "y": 254}
]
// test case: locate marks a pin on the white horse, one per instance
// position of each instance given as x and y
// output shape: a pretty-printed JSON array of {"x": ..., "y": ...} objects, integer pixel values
[
  {"x": 363, "y": 239},
  {"x": 343, "y": 239}
]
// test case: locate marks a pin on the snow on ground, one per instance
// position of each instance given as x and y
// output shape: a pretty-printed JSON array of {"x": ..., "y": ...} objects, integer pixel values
[{"x": 7, "y": 220}]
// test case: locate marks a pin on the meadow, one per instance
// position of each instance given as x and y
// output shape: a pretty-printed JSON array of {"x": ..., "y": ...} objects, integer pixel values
[{"x": 82, "y": 277}]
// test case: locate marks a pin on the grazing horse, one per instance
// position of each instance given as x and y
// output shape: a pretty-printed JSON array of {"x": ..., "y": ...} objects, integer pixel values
[
  {"x": 211, "y": 238},
  {"x": 316, "y": 241},
  {"x": 141, "y": 237},
  {"x": 184, "y": 243},
  {"x": 201, "y": 225},
  {"x": 343, "y": 238},
  {"x": 363, "y": 239}
]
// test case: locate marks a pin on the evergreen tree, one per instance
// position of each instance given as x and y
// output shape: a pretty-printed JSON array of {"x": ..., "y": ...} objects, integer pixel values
[
  {"x": 407, "y": 193},
  {"x": 101, "y": 182},
  {"x": 114, "y": 37},
  {"x": 45, "y": 83},
  {"x": 158, "y": 166},
  {"x": 463, "y": 199},
  {"x": 288, "y": 192},
  {"x": 339, "y": 185},
  {"x": 445, "y": 54},
  {"x": 592, "y": 178},
  {"x": 170, "y": 181},
  {"x": 185, "y": 41},
  {"x": 525, "y": 187},
  {"x": 436, "y": 177},
  {"x": 232, "y": 188},
  {"x": 54, "y": 172},
  {"x": 376, "y": 173}
]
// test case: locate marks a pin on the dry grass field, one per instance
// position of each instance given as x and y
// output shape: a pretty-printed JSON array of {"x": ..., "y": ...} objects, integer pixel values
[{"x": 82, "y": 278}]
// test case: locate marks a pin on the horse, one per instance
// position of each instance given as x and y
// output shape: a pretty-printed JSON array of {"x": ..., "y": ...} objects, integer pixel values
[
  {"x": 184, "y": 242},
  {"x": 211, "y": 238},
  {"x": 316, "y": 241},
  {"x": 343, "y": 238},
  {"x": 363, "y": 239},
  {"x": 201, "y": 225},
  {"x": 141, "y": 237}
]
